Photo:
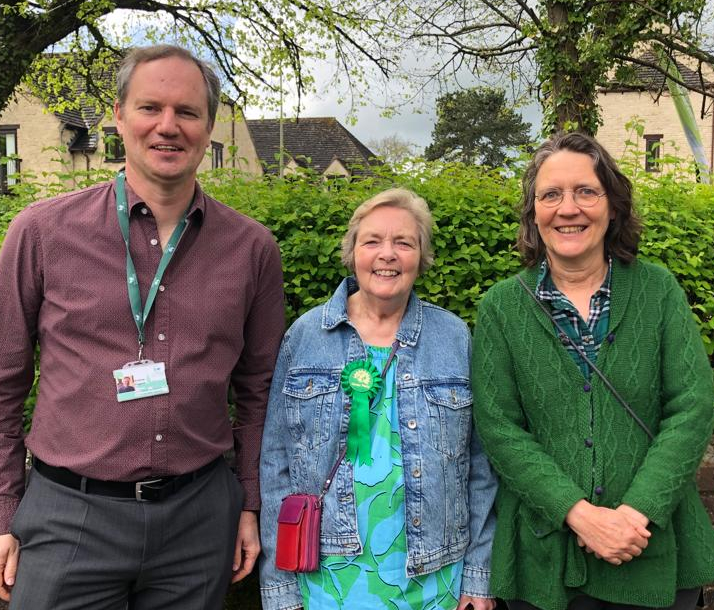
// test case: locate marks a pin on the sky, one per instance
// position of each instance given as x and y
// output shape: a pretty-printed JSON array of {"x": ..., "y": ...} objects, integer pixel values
[{"x": 412, "y": 123}]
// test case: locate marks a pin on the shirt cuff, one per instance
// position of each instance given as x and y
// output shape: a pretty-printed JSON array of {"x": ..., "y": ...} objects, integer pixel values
[
  {"x": 8, "y": 508},
  {"x": 251, "y": 487}
]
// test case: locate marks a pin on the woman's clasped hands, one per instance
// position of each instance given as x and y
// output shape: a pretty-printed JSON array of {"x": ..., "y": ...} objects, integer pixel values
[{"x": 615, "y": 535}]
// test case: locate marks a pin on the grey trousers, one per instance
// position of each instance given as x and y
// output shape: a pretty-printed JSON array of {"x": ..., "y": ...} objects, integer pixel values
[{"x": 90, "y": 552}]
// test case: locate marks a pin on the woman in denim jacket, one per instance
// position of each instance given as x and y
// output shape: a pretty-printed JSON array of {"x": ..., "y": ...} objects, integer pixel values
[{"x": 408, "y": 520}]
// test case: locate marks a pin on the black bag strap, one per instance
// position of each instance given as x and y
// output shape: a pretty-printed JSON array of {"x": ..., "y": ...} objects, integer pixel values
[
  {"x": 590, "y": 363},
  {"x": 328, "y": 480}
]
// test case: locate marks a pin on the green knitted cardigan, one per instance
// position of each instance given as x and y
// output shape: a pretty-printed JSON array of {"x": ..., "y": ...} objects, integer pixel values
[{"x": 555, "y": 438}]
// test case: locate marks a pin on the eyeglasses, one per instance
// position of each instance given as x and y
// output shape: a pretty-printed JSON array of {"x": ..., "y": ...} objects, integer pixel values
[{"x": 584, "y": 197}]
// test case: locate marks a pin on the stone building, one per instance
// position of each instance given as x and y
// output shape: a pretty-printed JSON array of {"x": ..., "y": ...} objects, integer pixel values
[{"x": 649, "y": 102}]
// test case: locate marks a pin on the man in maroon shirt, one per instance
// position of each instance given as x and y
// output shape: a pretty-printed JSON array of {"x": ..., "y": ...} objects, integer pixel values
[{"x": 130, "y": 502}]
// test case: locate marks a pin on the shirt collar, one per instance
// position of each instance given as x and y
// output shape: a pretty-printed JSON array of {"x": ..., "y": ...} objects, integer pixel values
[
  {"x": 547, "y": 291},
  {"x": 196, "y": 213},
  {"x": 334, "y": 312}
]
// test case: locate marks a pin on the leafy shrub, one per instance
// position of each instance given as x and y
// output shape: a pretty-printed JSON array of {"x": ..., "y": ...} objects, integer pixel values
[{"x": 475, "y": 228}]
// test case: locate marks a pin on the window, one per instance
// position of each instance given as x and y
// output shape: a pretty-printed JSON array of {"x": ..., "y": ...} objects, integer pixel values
[
  {"x": 113, "y": 145},
  {"x": 216, "y": 155},
  {"x": 653, "y": 152},
  {"x": 9, "y": 163}
]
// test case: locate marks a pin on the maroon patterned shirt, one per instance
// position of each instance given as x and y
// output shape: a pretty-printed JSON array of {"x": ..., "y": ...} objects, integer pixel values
[{"x": 217, "y": 320}]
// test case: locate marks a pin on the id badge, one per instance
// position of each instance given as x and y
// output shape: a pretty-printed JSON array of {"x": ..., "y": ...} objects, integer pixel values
[{"x": 140, "y": 379}]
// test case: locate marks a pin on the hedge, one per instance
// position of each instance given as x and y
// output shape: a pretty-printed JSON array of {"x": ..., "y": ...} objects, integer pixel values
[
  {"x": 476, "y": 221},
  {"x": 475, "y": 227}
]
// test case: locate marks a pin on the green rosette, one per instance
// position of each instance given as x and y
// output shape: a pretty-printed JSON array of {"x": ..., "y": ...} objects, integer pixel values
[{"x": 361, "y": 381}]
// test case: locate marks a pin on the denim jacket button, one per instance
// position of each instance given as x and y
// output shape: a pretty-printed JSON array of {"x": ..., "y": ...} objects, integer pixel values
[
  {"x": 411, "y": 424},
  {"x": 402, "y": 344},
  {"x": 416, "y": 472},
  {"x": 416, "y": 521},
  {"x": 406, "y": 376},
  {"x": 419, "y": 569}
]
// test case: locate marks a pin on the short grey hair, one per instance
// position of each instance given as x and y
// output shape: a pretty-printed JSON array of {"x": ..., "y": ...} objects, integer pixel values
[
  {"x": 394, "y": 198},
  {"x": 142, "y": 55}
]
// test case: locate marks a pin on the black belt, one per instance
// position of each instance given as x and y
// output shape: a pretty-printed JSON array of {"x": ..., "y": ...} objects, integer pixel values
[{"x": 149, "y": 490}]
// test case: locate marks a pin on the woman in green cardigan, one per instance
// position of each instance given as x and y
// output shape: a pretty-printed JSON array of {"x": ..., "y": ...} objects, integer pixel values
[{"x": 596, "y": 509}]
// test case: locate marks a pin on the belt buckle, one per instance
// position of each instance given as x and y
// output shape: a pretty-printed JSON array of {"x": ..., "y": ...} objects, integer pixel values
[{"x": 138, "y": 491}]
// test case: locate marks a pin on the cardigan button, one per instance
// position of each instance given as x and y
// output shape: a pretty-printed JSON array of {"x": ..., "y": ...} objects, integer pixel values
[
  {"x": 588, "y": 442},
  {"x": 611, "y": 337},
  {"x": 599, "y": 490},
  {"x": 586, "y": 387}
]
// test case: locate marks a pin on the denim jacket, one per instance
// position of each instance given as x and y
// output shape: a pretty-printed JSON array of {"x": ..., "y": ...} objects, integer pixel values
[{"x": 449, "y": 486}]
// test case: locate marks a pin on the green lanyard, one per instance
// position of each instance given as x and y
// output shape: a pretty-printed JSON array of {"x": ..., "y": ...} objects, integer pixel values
[{"x": 132, "y": 282}]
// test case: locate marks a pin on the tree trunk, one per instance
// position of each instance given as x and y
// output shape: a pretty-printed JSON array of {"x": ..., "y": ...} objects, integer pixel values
[{"x": 569, "y": 83}]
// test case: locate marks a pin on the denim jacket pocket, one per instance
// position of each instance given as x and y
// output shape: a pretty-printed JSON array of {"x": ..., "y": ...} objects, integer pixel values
[
  {"x": 449, "y": 404},
  {"x": 309, "y": 399}
]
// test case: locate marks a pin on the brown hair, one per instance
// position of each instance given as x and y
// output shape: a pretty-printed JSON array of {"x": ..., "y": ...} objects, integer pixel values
[{"x": 623, "y": 233}]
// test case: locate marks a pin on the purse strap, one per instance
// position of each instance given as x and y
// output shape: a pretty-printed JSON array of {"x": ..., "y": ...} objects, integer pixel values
[
  {"x": 589, "y": 362},
  {"x": 328, "y": 480}
]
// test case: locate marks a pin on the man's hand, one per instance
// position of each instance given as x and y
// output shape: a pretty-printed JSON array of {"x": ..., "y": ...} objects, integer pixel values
[
  {"x": 9, "y": 554},
  {"x": 612, "y": 535},
  {"x": 247, "y": 545},
  {"x": 477, "y": 603}
]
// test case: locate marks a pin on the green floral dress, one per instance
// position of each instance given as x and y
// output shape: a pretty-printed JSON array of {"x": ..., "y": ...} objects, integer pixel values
[{"x": 377, "y": 578}]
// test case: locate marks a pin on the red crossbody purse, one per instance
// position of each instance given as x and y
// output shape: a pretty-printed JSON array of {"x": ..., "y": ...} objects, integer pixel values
[{"x": 298, "y": 544}]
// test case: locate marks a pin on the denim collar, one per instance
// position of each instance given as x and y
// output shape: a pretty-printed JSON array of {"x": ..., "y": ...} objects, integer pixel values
[{"x": 334, "y": 312}]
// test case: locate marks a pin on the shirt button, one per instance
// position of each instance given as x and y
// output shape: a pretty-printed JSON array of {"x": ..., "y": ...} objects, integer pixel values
[
  {"x": 599, "y": 490},
  {"x": 416, "y": 521},
  {"x": 154, "y": 241},
  {"x": 411, "y": 424},
  {"x": 588, "y": 442},
  {"x": 406, "y": 376},
  {"x": 159, "y": 437},
  {"x": 162, "y": 288},
  {"x": 416, "y": 472},
  {"x": 144, "y": 211},
  {"x": 161, "y": 337},
  {"x": 586, "y": 387}
]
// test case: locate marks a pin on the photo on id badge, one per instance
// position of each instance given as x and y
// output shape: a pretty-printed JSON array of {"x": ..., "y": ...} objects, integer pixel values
[{"x": 140, "y": 379}]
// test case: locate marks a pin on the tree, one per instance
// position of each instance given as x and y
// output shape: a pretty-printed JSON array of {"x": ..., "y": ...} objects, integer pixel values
[
  {"x": 561, "y": 49},
  {"x": 476, "y": 125},
  {"x": 248, "y": 40},
  {"x": 393, "y": 149}
]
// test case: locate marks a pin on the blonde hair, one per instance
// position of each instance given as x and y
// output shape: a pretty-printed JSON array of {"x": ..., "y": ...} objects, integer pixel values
[{"x": 402, "y": 199}]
